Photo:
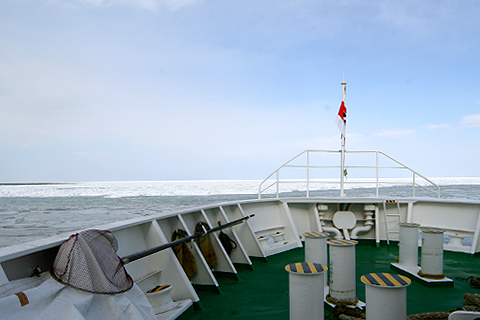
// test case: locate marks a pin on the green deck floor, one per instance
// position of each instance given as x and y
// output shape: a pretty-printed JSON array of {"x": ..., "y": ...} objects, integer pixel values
[{"x": 262, "y": 293}]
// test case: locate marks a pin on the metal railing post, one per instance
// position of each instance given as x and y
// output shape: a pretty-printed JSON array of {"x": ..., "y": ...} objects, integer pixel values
[
  {"x": 266, "y": 185},
  {"x": 308, "y": 173},
  {"x": 278, "y": 183},
  {"x": 413, "y": 191},
  {"x": 376, "y": 153}
]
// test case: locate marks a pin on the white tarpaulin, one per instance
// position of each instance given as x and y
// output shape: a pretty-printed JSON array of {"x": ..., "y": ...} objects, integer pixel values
[{"x": 44, "y": 298}]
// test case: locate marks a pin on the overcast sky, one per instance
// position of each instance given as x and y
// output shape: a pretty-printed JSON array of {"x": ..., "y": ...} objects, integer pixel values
[{"x": 97, "y": 90}]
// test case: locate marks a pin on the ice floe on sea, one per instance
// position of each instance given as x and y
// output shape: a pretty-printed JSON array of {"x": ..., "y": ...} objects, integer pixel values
[{"x": 118, "y": 189}]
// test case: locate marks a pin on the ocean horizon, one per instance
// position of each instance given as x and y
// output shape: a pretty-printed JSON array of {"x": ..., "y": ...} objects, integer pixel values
[
  {"x": 194, "y": 187},
  {"x": 31, "y": 212}
]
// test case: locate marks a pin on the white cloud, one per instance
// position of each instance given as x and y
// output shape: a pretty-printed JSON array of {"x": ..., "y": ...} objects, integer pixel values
[
  {"x": 438, "y": 126},
  {"x": 177, "y": 4},
  {"x": 471, "y": 120},
  {"x": 146, "y": 4},
  {"x": 395, "y": 133}
]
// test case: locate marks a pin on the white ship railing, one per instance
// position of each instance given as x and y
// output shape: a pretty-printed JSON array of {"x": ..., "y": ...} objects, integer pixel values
[{"x": 310, "y": 169}]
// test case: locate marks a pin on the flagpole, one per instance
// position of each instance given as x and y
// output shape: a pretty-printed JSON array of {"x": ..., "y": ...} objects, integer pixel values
[{"x": 342, "y": 137}]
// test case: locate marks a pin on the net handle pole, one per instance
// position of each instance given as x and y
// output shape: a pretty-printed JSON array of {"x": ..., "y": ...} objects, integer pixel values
[
  {"x": 145, "y": 253},
  {"x": 230, "y": 224}
]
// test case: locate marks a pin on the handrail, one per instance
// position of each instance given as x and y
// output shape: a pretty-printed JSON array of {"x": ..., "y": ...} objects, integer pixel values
[{"x": 308, "y": 180}]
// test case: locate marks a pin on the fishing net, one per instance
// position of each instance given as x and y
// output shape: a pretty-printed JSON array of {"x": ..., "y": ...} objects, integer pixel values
[{"x": 88, "y": 261}]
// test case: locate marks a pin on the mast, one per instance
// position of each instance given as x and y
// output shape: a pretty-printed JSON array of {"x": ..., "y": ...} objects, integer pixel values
[{"x": 342, "y": 137}]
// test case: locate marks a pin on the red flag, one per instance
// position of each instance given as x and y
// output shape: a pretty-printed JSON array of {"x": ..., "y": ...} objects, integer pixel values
[{"x": 342, "y": 118}]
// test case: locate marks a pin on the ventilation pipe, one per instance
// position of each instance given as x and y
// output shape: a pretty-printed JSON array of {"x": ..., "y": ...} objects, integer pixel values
[
  {"x": 321, "y": 208},
  {"x": 369, "y": 209}
]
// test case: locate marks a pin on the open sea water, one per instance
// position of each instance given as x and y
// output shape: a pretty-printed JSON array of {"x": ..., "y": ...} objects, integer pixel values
[{"x": 31, "y": 212}]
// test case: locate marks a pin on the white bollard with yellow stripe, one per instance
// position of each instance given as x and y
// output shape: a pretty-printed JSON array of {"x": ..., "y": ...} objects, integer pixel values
[
  {"x": 342, "y": 272},
  {"x": 386, "y": 296},
  {"x": 306, "y": 290},
  {"x": 316, "y": 249}
]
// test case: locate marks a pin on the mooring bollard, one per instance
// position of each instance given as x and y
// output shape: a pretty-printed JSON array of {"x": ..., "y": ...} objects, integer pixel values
[
  {"x": 316, "y": 249},
  {"x": 386, "y": 296},
  {"x": 432, "y": 253},
  {"x": 306, "y": 290},
  {"x": 342, "y": 270},
  {"x": 408, "y": 246}
]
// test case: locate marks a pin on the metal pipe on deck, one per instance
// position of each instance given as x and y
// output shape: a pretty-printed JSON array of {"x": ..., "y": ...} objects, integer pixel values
[
  {"x": 369, "y": 221},
  {"x": 321, "y": 208}
]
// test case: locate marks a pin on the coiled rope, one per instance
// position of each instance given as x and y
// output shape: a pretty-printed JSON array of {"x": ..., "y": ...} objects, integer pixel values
[
  {"x": 429, "y": 316},
  {"x": 471, "y": 303},
  {"x": 474, "y": 281},
  {"x": 352, "y": 313},
  {"x": 341, "y": 302}
]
